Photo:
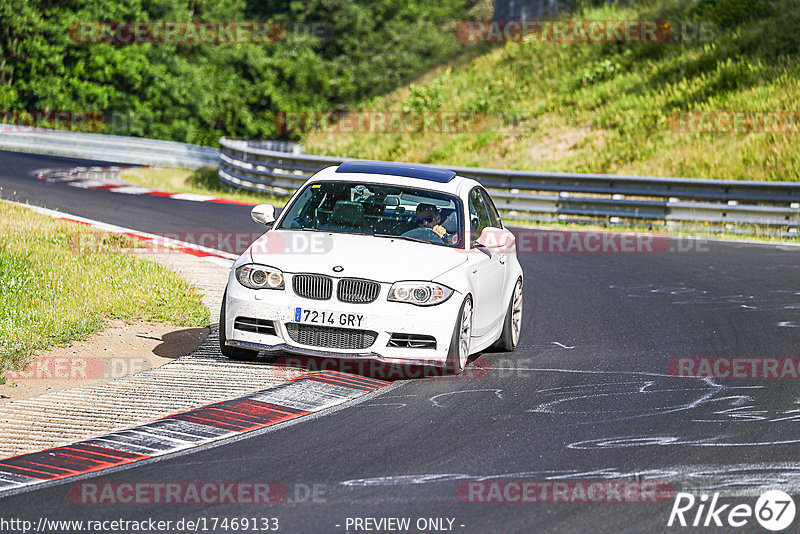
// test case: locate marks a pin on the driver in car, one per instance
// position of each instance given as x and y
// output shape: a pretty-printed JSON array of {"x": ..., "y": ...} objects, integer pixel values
[{"x": 429, "y": 219}]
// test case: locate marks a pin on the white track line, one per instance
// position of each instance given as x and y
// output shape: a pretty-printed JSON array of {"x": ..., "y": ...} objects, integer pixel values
[{"x": 64, "y": 177}]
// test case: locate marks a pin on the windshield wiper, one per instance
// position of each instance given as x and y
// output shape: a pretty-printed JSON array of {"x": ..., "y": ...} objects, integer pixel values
[
  {"x": 306, "y": 228},
  {"x": 407, "y": 238}
]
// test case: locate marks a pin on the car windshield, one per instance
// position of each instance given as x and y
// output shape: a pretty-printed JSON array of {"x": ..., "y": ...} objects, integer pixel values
[{"x": 379, "y": 210}]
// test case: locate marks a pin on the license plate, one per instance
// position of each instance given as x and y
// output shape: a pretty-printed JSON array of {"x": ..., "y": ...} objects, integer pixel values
[{"x": 304, "y": 315}]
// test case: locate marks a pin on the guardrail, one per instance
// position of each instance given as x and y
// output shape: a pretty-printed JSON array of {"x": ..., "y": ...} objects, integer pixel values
[
  {"x": 111, "y": 148},
  {"x": 528, "y": 195}
]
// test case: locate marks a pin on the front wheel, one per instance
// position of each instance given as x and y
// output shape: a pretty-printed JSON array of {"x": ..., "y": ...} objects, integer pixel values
[
  {"x": 459, "y": 344},
  {"x": 513, "y": 321},
  {"x": 234, "y": 353}
]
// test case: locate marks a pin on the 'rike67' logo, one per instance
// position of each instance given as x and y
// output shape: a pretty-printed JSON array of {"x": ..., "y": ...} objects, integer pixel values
[{"x": 774, "y": 510}]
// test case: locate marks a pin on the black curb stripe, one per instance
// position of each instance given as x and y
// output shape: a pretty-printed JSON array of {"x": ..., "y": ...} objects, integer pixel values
[
  {"x": 266, "y": 417},
  {"x": 28, "y": 473},
  {"x": 124, "y": 445},
  {"x": 148, "y": 435},
  {"x": 52, "y": 463},
  {"x": 257, "y": 407},
  {"x": 279, "y": 408},
  {"x": 375, "y": 382},
  {"x": 234, "y": 417},
  {"x": 358, "y": 379},
  {"x": 217, "y": 424},
  {"x": 25, "y": 471},
  {"x": 69, "y": 462},
  {"x": 342, "y": 383},
  {"x": 104, "y": 451},
  {"x": 223, "y": 419},
  {"x": 338, "y": 378},
  {"x": 126, "y": 439},
  {"x": 50, "y": 470},
  {"x": 77, "y": 453},
  {"x": 199, "y": 432}
]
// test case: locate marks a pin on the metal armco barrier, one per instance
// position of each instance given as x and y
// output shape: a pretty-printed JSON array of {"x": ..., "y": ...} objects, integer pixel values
[
  {"x": 112, "y": 148},
  {"x": 523, "y": 195}
]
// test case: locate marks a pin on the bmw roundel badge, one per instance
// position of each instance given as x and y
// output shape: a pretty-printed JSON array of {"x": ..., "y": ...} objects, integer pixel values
[{"x": 338, "y": 269}]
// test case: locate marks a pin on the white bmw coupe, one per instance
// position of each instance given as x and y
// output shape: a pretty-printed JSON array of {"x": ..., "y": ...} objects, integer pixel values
[{"x": 392, "y": 262}]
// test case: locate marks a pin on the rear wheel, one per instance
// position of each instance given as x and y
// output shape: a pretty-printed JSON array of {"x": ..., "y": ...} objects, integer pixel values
[
  {"x": 234, "y": 353},
  {"x": 459, "y": 344},
  {"x": 513, "y": 322}
]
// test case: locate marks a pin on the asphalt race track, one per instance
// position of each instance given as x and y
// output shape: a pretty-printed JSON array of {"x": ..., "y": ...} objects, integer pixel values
[
  {"x": 154, "y": 215},
  {"x": 586, "y": 397}
]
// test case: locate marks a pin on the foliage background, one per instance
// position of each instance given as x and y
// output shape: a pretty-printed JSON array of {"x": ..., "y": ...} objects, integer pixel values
[{"x": 197, "y": 92}]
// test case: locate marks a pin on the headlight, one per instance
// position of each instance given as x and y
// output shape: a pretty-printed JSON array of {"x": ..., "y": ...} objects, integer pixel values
[
  {"x": 259, "y": 277},
  {"x": 419, "y": 293}
]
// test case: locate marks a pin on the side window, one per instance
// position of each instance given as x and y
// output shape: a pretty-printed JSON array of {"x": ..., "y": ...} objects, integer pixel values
[
  {"x": 494, "y": 217},
  {"x": 478, "y": 214}
]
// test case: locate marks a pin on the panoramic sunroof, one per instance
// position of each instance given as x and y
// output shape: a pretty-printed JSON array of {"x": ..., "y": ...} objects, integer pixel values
[{"x": 397, "y": 169}]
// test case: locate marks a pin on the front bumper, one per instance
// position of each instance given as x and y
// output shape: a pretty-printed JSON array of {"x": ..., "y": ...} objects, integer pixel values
[{"x": 381, "y": 316}]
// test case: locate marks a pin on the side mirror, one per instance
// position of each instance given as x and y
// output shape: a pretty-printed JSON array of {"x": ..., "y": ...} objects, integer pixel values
[
  {"x": 263, "y": 214},
  {"x": 495, "y": 239}
]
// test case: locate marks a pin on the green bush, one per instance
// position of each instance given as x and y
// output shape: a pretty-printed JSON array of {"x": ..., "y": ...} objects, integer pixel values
[{"x": 198, "y": 92}]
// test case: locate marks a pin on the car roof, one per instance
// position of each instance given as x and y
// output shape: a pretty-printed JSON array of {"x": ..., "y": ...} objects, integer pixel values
[
  {"x": 421, "y": 176},
  {"x": 397, "y": 169}
]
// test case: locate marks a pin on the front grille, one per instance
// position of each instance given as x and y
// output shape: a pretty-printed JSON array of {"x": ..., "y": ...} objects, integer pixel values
[
  {"x": 412, "y": 341},
  {"x": 259, "y": 326},
  {"x": 329, "y": 337},
  {"x": 357, "y": 291},
  {"x": 312, "y": 286}
]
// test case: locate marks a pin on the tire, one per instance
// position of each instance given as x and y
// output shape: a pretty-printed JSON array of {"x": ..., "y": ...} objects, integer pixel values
[
  {"x": 458, "y": 353},
  {"x": 234, "y": 353},
  {"x": 512, "y": 325}
]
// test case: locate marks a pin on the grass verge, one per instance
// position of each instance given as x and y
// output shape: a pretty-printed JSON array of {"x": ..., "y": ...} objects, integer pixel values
[
  {"x": 203, "y": 181},
  {"x": 609, "y": 107},
  {"x": 60, "y": 281}
]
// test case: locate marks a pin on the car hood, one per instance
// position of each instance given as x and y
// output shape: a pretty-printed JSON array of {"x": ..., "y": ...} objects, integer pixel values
[{"x": 376, "y": 258}]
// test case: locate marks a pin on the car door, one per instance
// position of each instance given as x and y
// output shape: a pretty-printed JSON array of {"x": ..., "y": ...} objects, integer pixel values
[
  {"x": 487, "y": 267},
  {"x": 503, "y": 250}
]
